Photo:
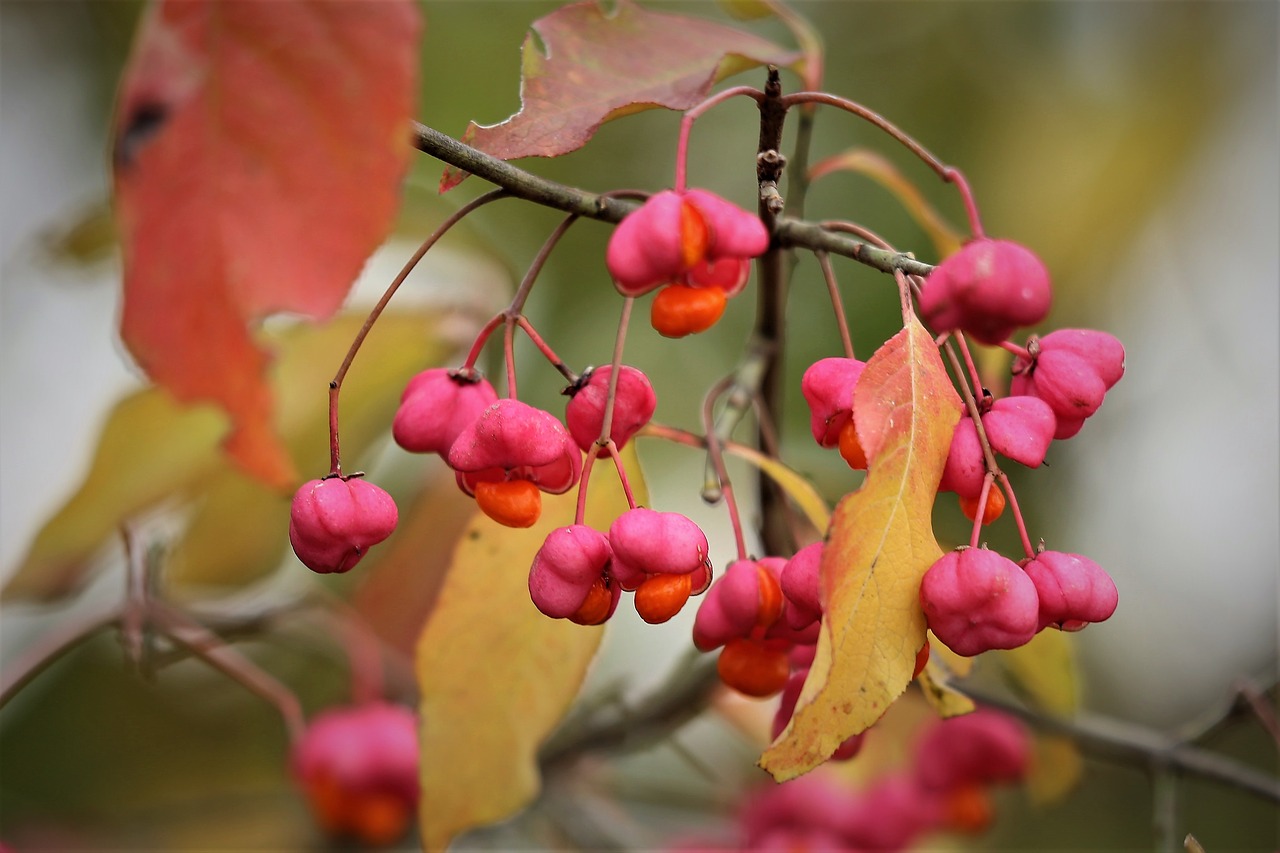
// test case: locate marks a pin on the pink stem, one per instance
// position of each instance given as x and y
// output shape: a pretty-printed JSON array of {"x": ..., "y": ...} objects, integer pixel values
[
  {"x": 691, "y": 115},
  {"x": 968, "y": 361},
  {"x": 468, "y": 366},
  {"x": 982, "y": 510},
  {"x": 547, "y": 352},
  {"x": 622, "y": 472},
  {"x": 824, "y": 261},
  {"x": 335, "y": 385},
  {"x": 580, "y": 513},
  {"x": 509, "y": 355},
  {"x": 606, "y": 426},
  {"x": 714, "y": 451},
  {"x": 950, "y": 174}
]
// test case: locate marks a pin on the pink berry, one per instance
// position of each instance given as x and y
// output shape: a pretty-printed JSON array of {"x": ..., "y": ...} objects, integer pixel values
[
  {"x": 746, "y": 600},
  {"x": 987, "y": 289},
  {"x": 675, "y": 232},
  {"x": 1020, "y": 428},
  {"x": 632, "y": 407},
  {"x": 566, "y": 568},
  {"x": 1073, "y": 590},
  {"x": 827, "y": 387},
  {"x": 1103, "y": 352},
  {"x": 983, "y": 747},
  {"x": 358, "y": 767},
  {"x": 436, "y": 406},
  {"x": 512, "y": 440},
  {"x": 647, "y": 542},
  {"x": 965, "y": 467},
  {"x": 334, "y": 521},
  {"x": 975, "y": 600},
  {"x": 801, "y": 585},
  {"x": 1064, "y": 380}
]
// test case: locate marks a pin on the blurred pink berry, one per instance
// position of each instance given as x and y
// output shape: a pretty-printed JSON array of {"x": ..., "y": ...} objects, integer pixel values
[
  {"x": 511, "y": 440},
  {"x": 891, "y": 814},
  {"x": 827, "y": 387},
  {"x": 676, "y": 232},
  {"x": 975, "y": 600},
  {"x": 983, "y": 747},
  {"x": 334, "y": 521},
  {"x": 436, "y": 406},
  {"x": 359, "y": 770},
  {"x": 632, "y": 407},
  {"x": 567, "y": 568},
  {"x": 987, "y": 289},
  {"x": 1073, "y": 590}
]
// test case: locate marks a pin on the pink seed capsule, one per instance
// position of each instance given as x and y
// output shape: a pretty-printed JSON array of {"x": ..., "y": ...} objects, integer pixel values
[
  {"x": 358, "y": 767},
  {"x": 1020, "y": 428},
  {"x": 647, "y": 542},
  {"x": 512, "y": 440},
  {"x": 801, "y": 585},
  {"x": 632, "y": 408},
  {"x": 987, "y": 289},
  {"x": 333, "y": 522},
  {"x": 984, "y": 747},
  {"x": 827, "y": 387},
  {"x": 745, "y": 602},
  {"x": 965, "y": 467},
  {"x": 1073, "y": 590},
  {"x": 436, "y": 406},
  {"x": 566, "y": 568},
  {"x": 976, "y": 600}
]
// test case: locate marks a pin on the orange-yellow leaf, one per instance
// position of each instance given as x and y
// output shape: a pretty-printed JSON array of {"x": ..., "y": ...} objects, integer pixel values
[
  {"x": 258, "y": 152},
  {"x": 880, "y": 545},
  {"x": 495, "y": 675}
]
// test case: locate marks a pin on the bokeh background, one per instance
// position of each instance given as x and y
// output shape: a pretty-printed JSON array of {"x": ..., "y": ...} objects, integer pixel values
[{"x": 1133, "y": 145}]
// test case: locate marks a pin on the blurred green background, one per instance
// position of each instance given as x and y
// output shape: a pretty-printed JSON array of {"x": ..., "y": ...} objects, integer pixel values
[{"x": 1133, "y": 145}]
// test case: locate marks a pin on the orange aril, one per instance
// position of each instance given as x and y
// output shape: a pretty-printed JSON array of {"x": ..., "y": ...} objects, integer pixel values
[
  {"x": 968, "y": 809},
  {"x": 513, "y": 503},
  {"x": 750, "y": 667},
  {"x": 770, "y": 598},
  {"x": 995, "y": 506},
  {"x": 694, "y": 235},
  {"x": 851, "y": 448},
  {"x": 662, "y": 596},
  {"x": 680, "y": 310},
  {"x": 922, "y": 659},
  {"x": 594, "y": 609}
]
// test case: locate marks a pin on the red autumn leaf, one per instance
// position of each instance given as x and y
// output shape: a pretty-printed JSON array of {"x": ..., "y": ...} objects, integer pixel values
[
  {"x": 594, "y": 67},
  {"x": 258, "y": 151}
]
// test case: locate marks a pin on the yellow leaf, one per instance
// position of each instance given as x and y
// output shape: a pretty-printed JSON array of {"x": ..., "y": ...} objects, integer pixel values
[
  {"x": 151, "y": 448},
  {"x": 1056, "y": 767},
  {"x": 495, "y": 675},
  {"x": 796, "y": 486},
  {"x": 937, "y": 690},
  {"x": 1043, "y": 672},
  {"x": 863, "y": 161},
  {"x": 880, "y": 545}
]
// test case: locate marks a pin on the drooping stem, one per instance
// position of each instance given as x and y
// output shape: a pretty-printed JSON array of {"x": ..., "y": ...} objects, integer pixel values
[
  {"x": 616, "y": 456},
  {"x": 982, "y": 510},
  {"x": 548, "y": 353},
  {"x": 509, "y": 354},
  {"x": 619, "y": 341},
  {"x": 950, "y": 174},
  {"x": 691, "y": 115},
  {"x": 335, "y": 385},
  {"x": 477, "y": 346},
  {"x": 833, "y": 290},
  {"x": 539, "y": 261},
  {"x": 716, "y": 456},
  {"x": 988, "y": 455}
]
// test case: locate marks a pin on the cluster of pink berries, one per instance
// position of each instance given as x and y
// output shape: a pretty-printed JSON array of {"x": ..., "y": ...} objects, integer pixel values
[
  {"x": 358, "y": 767},
  {"x": 946, "y": 788},
  {"x": 505, "y": 453}
]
